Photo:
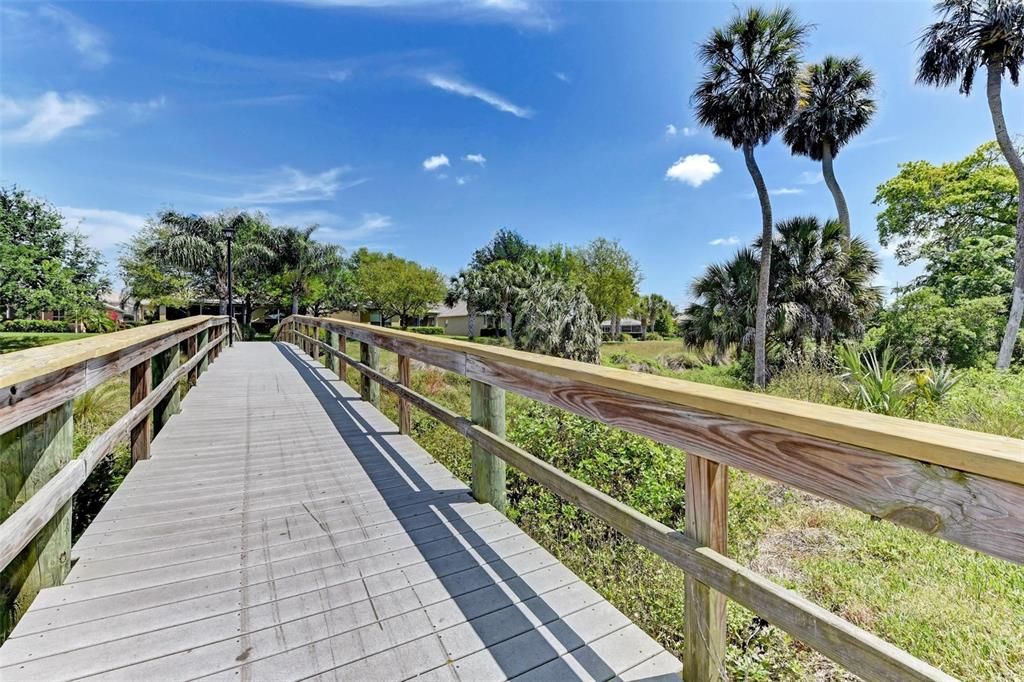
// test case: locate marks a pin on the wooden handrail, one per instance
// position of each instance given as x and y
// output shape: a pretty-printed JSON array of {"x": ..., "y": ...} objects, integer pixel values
[{"x": 960, "y": 485}]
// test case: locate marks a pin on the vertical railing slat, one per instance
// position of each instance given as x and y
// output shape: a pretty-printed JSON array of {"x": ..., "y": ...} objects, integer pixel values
[
  {"x": 488, "y": 477},
  {"x": 369, "y": 389},
  {"x": 142, "y": 433},
  {"x": 404, "y": 409}
]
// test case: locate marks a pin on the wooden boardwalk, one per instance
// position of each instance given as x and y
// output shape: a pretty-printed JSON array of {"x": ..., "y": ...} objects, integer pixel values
[{"x": 284, "y": 530}]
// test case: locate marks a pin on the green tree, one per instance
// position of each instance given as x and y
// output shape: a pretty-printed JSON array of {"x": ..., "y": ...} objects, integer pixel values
[
  {"x": 146, "y": 277},
  {"x": 649, "y": 309},
  {"x": 502, "y": 283},
  {"x": 558, "y": 319},
  {"x": 747, "y": 94},
  {"x": 302, "y": 260},
  {"x": 989, "y": 34},
  {"x": 506, "y": 245},
  {"x": 468, "y": 285},
  {"x": 980, "y": 267},
  {"x": 43, "y": 265},
  {"x": 396, "y": 286},
  {"x": 835, "y": 105},
  {"x": 611, "y": 278}
]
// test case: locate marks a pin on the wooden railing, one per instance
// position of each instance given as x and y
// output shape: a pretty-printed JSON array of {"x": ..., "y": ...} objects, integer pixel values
[
  {"x": 961, "y": 486},
  {"x": 37, "y": 392}
]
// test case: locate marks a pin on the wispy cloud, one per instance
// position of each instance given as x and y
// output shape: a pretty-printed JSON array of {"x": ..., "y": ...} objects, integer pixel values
[
  {"x": 672, "y": 131},
  {"x": 694, "y": 170},
  {"x": 434, "y": 162},
  {"x": 861, "y": 143},
  {"x": 85, "y": 38},
  {"x": 45, "y": 118},
  {"x": 369, "y": 225},
  {"x": 725, "y": 241},
  {"x": 810, "y": 178},
  {"x": 339, "y": 75},
  {"x": 479, "y": 159},
  {"x": 467, "y": 89},
  {"x": 147, "y": 107},
  {"x": 462, "y": 179},
  {"x": 689, "y": 132},
  {"x": 104, "y": 228},
  {"x": 526, "y": 13},
  {"x": 562, "y": 76},
  {"x": 264, "y": 100},
  {"x": 778, "y": 192},
  {"x": 290, "y": 185}
]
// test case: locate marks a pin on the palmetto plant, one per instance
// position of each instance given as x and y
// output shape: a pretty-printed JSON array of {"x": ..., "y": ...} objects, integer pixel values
[
  {"x": 747, "y": 94},
  {"x": 725, "y": 297},
  {"x": 558, "y": 319},
  {"x": 989, "y": 34},
  {"x": 468, "y": 285},
  {"x": 877, "y": 383},
  {"x": 301, "y": 258},
  {"x": 835, "y": 105}
]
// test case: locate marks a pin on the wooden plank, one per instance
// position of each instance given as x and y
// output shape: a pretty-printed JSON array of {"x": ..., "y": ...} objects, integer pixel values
[
  {"x": 488, "y": 474},
  {"x": 30, "y": 456},
  {"x": 203, "y": 340},
  {"x": 191, "y": 348},
  {"x": 985, "y": 454},
  {"x": 369, "y": 390},
  {"x": 164, "y": 365},
  {"x": 142, "y": 433},
  {"x": 332, "y": 360},
  {"x": 707, "y": 506},
  {"x": 404, "y": 378}
]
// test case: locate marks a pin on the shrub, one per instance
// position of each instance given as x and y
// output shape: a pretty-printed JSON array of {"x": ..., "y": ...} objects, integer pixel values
[
  {"x": 431, "y": 331},
  {"x": 654, "y": 336},
  {"x": 248, "y": 332},
  {"x": 31, "y": 326}
]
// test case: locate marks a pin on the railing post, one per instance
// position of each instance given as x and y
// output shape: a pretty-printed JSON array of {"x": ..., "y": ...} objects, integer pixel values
[
  {"x": 332, "y": 360},
  {"x": 315, "y": 347},
  {"x": 163, "y": 365},
  {"x": 30, "y": 455},
  {"x": 142, "y": 433},
  {"x": 404, "y": 409},
  {"x": 204, "y": 364},
  {"x": 342, "y": 365},
  {"x": 488, "y": 410},
  {"x": 707, "y": 504},
  {"x": 369, "y": 389}
]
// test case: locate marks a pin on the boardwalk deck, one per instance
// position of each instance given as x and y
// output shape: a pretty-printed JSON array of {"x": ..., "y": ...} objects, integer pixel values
[{"x": 284, "y": 530}]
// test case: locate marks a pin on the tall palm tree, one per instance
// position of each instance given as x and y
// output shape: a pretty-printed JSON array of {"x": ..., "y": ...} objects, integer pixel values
[
  {"x": 502, "y": 282},
  {"x": 725, "y": 300},
  {"x": 196, "y": 244},
  {"x": 467, "y": 286},
  {"x": 747, "y": 94},
  {"x": 971, "y": 34},
  {"x": 648, "y": 308},
  {"x": 835, "y": 105},
  {"x": 301, "y": 258},
  {"x": 558, "y": 319}
]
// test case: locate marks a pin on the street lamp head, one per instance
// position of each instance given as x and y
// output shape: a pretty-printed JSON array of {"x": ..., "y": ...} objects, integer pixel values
[{"x": 229, "y": 232}]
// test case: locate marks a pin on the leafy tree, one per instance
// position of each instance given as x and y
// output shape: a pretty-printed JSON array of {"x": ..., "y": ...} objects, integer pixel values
[
  {"x": 146, "y": 277},
  {"x": 969, "y": 35},
  {"x": 835, "y": 105},
  {"x": 747, "y": 94},
  {"x": 563, "y": 263},
  {"x": 506, "y": 245},
  {"x": 611, "y": 277},
  {"x": 301, "y": 260},
  {"x": 922, "y": 327},
  {"x": 649, "y": 309},
  {"x": 44, "y": 266},
  {"x": 396, "y": 286},
  {"x": 558, "y": 319},
  {"x": 468, "y": 285},
  {"x": 502, "y": 283}
]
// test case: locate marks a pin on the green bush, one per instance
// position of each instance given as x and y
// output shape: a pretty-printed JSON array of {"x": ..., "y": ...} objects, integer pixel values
[
  {"x": 30, "y": 326},
  {"x": 654, "y": 336},
  {"x": 248, "y": 332},
  {"x": 432, "y": 331}
]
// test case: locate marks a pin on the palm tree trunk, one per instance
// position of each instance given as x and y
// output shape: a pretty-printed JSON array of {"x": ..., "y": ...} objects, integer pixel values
[
  {"x": 295, "y": 303},
  {"x": 995, "y": 105},
  {"x": 833, "y": 186},
  {"x": 508, "y": 325},
  {"x": 471, "y": 309},
  {"x": 763, "y": 279}
]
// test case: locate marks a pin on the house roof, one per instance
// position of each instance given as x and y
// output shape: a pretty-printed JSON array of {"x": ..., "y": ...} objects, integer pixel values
[
  {"x": 624, "y": 322},
  {"x": 460, "y": 309}
]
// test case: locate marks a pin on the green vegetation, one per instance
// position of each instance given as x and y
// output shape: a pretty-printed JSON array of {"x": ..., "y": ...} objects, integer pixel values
[{"x": 12, "y": 341}]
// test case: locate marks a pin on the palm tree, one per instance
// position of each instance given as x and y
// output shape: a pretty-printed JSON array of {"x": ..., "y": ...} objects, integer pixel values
[
  {"x": 648, "y": 308},
  {"x": 468, "y": 285},
  {"x": 835, "y": 105},
  {"x": 301, "y": 258},
  {"x": 971, "y": 34},
  {"x": 557, "y": 318},
  {"x": 502, "y": 283},
  {"x": 196, "y": 244},
  {"x": 747, "y": 94},
  {"x": 725, "y": 299}
]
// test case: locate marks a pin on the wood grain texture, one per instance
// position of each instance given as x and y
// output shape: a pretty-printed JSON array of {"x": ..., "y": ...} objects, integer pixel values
[
  {"x": 163, "y": 365},
  {"x": 369, "y": 389},
  {"x": 140, "y": 383},
  {"x": 985, "y": 454},
  {"x": 487, "y": 405},
  {"x": 707, "y": 506},
  {"x": 191, "y": 347},
  {"x": 404, "y": 378},
  {"x": 29, "y": 457},
  {"x": 855, "y": 649},
  {"x": 332, "y": 360}
]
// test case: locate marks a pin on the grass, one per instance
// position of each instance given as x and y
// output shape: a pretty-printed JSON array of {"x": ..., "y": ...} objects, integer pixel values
[{"x": 14, "y": 341}]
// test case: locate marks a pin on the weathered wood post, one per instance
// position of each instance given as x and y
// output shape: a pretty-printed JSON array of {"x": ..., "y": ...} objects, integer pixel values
[
  {"x": 707, "y": 504},
  {"x": 342, "y": 365},
  {"x": 488, "y": 410},
  {"x": 191, "y": 348},
  {"x": 204, "y": 364},
  {"x": 30, "y": 455},
  {"x": 332, "y": 360},
  {"x": 142, "y": 433},
  {"x": 163, "y": 365},
  {"x": 404, "y": 409},
  {"x": 369, "y": 389},
  {"x": 314, "y": 346}
]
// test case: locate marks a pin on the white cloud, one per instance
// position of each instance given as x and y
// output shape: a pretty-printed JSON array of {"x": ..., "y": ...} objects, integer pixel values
[
  {"x": 142, "y": 109},
  {"x": 45, "y": 118},
  {"x": 104, "y": 228},
  {"x": 475, "y": 158},
  {"x": 725, "y": 241},
  {"x": 467, "y": 89},
  {"x": 562, "y": 76},
  {"x": 339, "y": 75},
  {"x": 528, "y": 13},
  {"x": 783, "y": 191},
  {"x": 810, "y": 178},
  {"x": 689, "y": 132},
  {"x": 84, "y": 38},
  {"x": 290, "y": 185},
  {"x": 671, "y": 130},
  {"x": 694, "y": 170},
  {"x": 369, "y": 225},
  {"x": 435, "y": 162},
  {"x": 461, "y": 179}
]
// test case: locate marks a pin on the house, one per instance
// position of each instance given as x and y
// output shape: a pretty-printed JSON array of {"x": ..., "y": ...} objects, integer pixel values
[
  {"x": 455, "y": 319},
  {"x": 627, "y": 325}
]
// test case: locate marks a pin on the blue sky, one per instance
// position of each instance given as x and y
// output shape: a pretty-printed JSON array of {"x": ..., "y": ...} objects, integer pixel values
[{"x": 422, "y": 126}]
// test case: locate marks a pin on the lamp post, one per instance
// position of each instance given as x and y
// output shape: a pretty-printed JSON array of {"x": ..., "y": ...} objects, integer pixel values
[{"x": 229, "y": 235}]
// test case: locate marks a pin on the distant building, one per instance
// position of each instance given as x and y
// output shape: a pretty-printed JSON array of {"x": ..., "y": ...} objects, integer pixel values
[
  {"x": 627, "y": 325},
  {"x": 455, "y": 319}
]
